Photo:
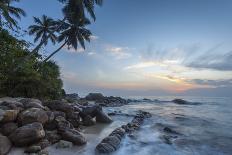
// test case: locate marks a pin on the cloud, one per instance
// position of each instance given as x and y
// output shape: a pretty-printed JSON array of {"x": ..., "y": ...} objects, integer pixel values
[
  {"x": 221, "y": 62},
  {"x": 118, "y": 52},
  {"x": 213, "y": 83},
  {"x": 72, "y": 50},
  {"x": 93, "y": 37}
]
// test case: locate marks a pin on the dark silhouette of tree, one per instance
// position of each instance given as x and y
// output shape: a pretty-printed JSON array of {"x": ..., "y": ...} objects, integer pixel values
[
  {"x": 8, "y": 12},
  {"x": 43, "y": 28}
]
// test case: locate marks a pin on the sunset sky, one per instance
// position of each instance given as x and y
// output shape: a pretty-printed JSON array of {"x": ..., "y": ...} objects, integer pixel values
[{"x": 148, "y": 47}]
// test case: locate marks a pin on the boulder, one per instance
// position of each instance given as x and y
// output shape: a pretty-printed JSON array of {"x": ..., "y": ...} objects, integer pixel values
[
  {"x": 73, "y": 136},
  {"x": 64, "y": 144},
  {"x": 72, "y": 97},
  {"x": 28, "y": 134},
  {"x": 8, "y": 115},
  {"x": 101, "y": 117},
  {"x": 88, "y": 121},
  {"x": 108, "y": 144},
  {"x": 33, "y": 149},
  {"x": 33, "y": 115},
  {"x": 94, "y": 97},
  {"x": 12, "y": 105},
  {"x": 57, "y": 105},
  {"x": 31, "y": 103},
  {"x": 5, "y": 145},
  {"x": 8, "y": 128},
  {"x": 59, "y": 113},
  {"x": 179, "y": 101},
  {"x": 53, "y": 136},
  {"x": 43, "y": 143},
  {"x": 62, "y": 124},
  {"x": 91, "y": 110}
]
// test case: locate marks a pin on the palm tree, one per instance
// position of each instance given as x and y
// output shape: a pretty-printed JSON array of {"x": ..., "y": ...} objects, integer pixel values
[
  {"x": 72, "y": 35},
  {"x": 43, "y": 28},
  {"x": 74, "y": 12},
  {"x": 6, "y": 13}
]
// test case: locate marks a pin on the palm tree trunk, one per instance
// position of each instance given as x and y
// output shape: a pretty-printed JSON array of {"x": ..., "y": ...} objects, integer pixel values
[{"x": 53, "y": 53}]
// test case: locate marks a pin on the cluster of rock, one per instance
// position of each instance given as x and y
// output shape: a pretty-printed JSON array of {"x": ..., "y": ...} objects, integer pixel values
[
  {"x": 106, "y": 101},
  {"x": 35, "y": 125},
  {"x": 112, "y": 142}
]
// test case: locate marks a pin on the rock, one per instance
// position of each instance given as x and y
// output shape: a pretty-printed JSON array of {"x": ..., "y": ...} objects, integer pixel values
[
  {"x": 91, "y": 110},
  {"x": 64, "y": 144},
  {"x": 50, "y": 115},
  {"x": 8, "y": 128},
  {"x": 25, "y": 135},
  {"x": 8, "y": 115},
  {"x": 43, "y": 152},
  {"x": 103, "y": 118},
  {"x": 94, "y": 97},
  {"x": 43, "y": 143},
  {"x": 179, "y": 101},
  {"x": 72, "y": 97},
  {"x": 74, "y": 118},
  {"x": 108, "y": 144},
  {"x": 53, "y": 136},
  {"x": 59, "y": 106},
  {"x": 88, "y": 121},
  {"x": 33, "y": 149},
  {"x": 5, "y": 145},
  {"x": 12, "y": 105},
  {"x": 59, "y": 113},
  {"x": 73, "y": 136},
  {"x": 33, "y": 115},
  {"x": 31, "y": 103},
  {"x": 63, "y": 124}
]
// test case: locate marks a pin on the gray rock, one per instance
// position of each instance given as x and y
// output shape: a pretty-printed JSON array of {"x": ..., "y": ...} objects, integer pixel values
[
  {"x": 101, "y": 117},
  {"x": 33, "y": 115},
  {"x": 31, "y": 103},
  {"x": 8, "y": 128},
  {"x": 5, "y": 145},
  {"x": 59, "y": 106},
  {"x": 64, "y": 144},
  {"x": 25, "y": 135},
  {"x": 74, "y": 136},
  {"x": 53, "y": 136},
  {"x": 33, "y": 149},
  {"x": 62, "y": 124},
  {"x": 88, "y": 121},
  {"x": 94, "y": 96},
  {"x": 108, "y": 144},
  {"x": 8, "y": 115}
]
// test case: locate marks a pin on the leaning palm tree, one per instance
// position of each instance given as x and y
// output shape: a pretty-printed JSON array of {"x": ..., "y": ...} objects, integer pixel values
[
  {"x": 8, "y": 12},
  {"x": 43, "y": 28},
  {"x": 74, "y": 12},
  {"x": 72, "y": 35}
]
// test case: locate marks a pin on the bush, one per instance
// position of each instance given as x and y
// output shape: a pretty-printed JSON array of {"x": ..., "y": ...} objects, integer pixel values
[{"x": 26, "y": 79}]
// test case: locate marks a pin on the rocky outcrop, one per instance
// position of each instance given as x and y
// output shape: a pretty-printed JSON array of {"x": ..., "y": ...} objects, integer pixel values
[
  {"x": 25, "y": 135},
  {"x": 5, "y": 145},
  {"x": 59, "y": 106},
  {"x": 8, "y": 115},
  {"x": 31, "y": 103},
  {"x": 8, "y": 128},
  {"x": 184, "y": 102},
  {"x": 36, "y": 125},
  {"x": 112, "y": 142},
  {"x": 33, "y": 115},
  {"x": 94, "y": 97},
  {"x": 73, "y": 136}
]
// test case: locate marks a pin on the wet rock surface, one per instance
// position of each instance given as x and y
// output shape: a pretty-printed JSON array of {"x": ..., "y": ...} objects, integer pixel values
[
  {"x": 5, "y": 145},
  {"x": 112, "y": 142}
]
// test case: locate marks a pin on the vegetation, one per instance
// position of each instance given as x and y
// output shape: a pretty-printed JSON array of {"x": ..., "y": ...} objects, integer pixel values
[
  {"x": 28, "y": 81},
  {"x": 24, "y": 72}
]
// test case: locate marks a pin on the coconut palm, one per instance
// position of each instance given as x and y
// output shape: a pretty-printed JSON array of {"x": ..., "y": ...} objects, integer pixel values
[
  {"x": 74, "y": 12},
  {"x": 72, "y": 35},
  {"x": 8, "y": 12},
  {"x": 43, "y": 28}
]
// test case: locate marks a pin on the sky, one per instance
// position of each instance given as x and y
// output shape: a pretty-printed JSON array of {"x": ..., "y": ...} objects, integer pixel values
[{"x": 148, "y": 48}]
